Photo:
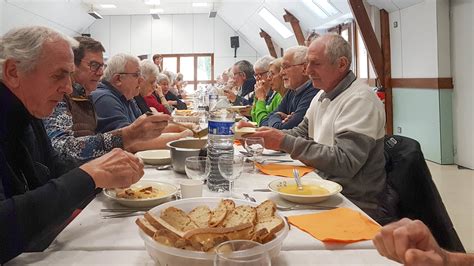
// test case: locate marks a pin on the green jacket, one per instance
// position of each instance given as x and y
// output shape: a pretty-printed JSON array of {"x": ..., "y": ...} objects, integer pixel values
[{"x": 261, "y": 109}]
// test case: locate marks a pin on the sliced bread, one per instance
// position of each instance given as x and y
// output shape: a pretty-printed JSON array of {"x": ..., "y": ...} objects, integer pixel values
[
  {"x": 240, "y": 215},
  {"x": 146, "y": 227},
  {"x": 201, "y": 216},
  {"x": 266, "y": 228},
  {"x": 178, "y": 219},
  {"x": 266, "y": 209},
  {"x": 218, "y": 215}
]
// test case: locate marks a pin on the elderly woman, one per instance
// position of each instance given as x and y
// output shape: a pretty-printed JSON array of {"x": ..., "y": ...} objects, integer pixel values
[
  {"x": 145, "y": 99},
  {"x": 269, "y": 89},
  {"x": 165, "y": 97}
]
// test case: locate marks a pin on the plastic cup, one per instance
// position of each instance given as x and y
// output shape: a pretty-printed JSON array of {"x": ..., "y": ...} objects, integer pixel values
[{"x": 191, "y": 188}]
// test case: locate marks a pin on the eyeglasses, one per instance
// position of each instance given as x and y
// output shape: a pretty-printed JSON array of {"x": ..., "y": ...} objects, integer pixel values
[
  {"x": 285, "y": 67},
  {"x": 134, "y": 74},
  {"x": 95, "y": 66},
  {"x": 272, "y": 75},
  {"x": 259, "y": 75}
]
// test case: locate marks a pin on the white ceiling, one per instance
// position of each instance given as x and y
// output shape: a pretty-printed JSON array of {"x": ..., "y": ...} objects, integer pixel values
[{"x": 241, "y": 15}]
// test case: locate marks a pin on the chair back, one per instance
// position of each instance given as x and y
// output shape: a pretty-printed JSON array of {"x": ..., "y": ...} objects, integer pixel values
[{"x": 408, "y": 174}]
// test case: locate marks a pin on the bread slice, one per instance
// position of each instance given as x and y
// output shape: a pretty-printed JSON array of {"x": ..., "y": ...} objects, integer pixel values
[
  {"x": 240, "y": 215},
  {"x": 207, "y": 239},
  {"x": 266, "y": 209},
  {"x": 218, "y": 215},
  {"x": 146, "y": 227},
  {"x": 201, "y": 216},
  {"x": 266, "y": 228},
  {"x": 178, "y": 219},
  {"x": 159, "y": 223}
]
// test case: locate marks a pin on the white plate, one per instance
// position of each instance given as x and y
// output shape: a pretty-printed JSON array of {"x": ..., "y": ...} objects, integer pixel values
[
  {"x": 155, "y": 156},
  {"x": 331, "y": 186},
  {"x": 166, "y": 255},
  {"x": 143, "y": 203}
]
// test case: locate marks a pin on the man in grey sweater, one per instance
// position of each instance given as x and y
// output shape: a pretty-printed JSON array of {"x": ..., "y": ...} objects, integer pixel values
[{"x": 342, "y": 132}]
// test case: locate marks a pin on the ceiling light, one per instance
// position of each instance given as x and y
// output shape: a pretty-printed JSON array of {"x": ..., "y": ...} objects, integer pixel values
[
  {"x": 94, "y": 13},
  {"x": 107, "y": 6},
  {"x": 151, "y": 2},
  {"x": 327, "y": 7},
  {"x": 315, "y": 8},
  {"x": 199, "y": 4},
  {"x": 275, "y": 23},
  {"x": 156, "y": 10}
]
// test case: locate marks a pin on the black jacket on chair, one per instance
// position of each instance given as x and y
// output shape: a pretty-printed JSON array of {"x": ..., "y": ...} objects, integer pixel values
[{"x": 419, "y": 198}]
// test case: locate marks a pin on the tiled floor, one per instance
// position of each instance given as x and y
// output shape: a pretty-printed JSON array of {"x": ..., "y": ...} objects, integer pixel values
[{"x": 456, "y": 187}]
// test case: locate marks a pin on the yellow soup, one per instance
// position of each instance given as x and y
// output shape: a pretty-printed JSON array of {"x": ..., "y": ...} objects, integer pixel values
[{"x": 307, "y": 190}]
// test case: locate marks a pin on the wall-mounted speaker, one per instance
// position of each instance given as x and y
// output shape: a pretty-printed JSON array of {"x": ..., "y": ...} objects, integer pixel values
[{"x": 234, "y": 41}]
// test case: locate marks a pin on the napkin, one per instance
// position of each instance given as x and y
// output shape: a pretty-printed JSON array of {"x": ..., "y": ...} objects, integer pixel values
[
  {"x": 283, "y": 169},
  {"x": 338, "y": 225}
]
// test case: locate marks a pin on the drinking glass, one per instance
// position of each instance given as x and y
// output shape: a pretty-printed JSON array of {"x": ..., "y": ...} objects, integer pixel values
[
  {"x": 197, "y": 167},
  {"x": 230, "y": 167},
  {"x": 241, "y": 252},
  {"x": 255, "y": 147}
]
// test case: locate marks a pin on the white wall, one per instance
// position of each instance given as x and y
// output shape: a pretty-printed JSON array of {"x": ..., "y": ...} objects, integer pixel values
[
  {"x": 420, "y": 49},
  {"x": 140, "y": 34},
  {"x": 70, "y": 18},
  {"x": 462, "y": 58}
]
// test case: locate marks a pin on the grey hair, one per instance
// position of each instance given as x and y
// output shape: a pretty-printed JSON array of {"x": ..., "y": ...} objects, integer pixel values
[
  {"x": 298, "y": 54},
  {"x": 116, "y": 64},
  {"x": 148, "y": 69},
  {"x": 246, "y": 67},
  {"x": 162, "y": 77},
  {"x": 263, "y": 63},
  {"x": 337, "y": 47},
  {"x": 277, "y": 62},
  {"x": 25, "y": 44}
]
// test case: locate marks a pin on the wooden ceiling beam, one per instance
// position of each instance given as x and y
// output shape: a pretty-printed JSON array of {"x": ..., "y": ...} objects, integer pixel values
[
  {"x": 387, "y": 69},
  {"x": 369, "y": 37},
  {"x": 295, "y": 25},
  {"x": 268, "y": 41}
]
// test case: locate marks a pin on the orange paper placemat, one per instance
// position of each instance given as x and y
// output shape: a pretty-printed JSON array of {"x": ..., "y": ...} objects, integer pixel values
[
  {"x": 283, "y": 169},
  {"x": 338, "y": 225}
]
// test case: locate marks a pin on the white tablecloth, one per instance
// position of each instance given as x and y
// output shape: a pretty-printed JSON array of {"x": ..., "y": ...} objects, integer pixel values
[
  {"x": 140, "y": 257},
  {"x": 89, "y": 239}
]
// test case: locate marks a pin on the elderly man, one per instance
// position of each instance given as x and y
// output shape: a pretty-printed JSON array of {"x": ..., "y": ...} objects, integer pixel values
[
  {"x": 72, "y": 126},
  {"x": 244, "y": 80},
  {"x": 293, "y": 106},
  {"x": 114, "y": 103},
  {"x": 343, "y": 130},
  {"x": 38, "y": 191}
]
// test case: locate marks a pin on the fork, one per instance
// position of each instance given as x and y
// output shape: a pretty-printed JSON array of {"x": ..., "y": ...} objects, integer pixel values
[
  {"x": 124, "y": 214},
  {"x": 304, "y": 207},
  {"x": 249, "y": 198}
]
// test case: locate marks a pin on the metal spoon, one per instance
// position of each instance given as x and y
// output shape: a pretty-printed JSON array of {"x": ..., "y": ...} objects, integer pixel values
[
  {"x": 296, "y": 175},
  {"x": 163, "y": 167}
]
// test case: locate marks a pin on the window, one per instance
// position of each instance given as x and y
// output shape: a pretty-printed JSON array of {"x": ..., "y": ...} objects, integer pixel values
[{"x": 196, "y": 68}]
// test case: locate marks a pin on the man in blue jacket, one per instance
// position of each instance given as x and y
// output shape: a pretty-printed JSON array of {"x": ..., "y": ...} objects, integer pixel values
[
  {"x": 293, "y": 106},
  {"x": 244, "y": 79}
]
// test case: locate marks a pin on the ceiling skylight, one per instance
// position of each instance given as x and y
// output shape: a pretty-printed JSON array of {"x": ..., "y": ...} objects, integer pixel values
[
  {"x": 315, "y": 9},
  {"x": 107, "y": 6},
  {"x": 275, "y": 23},
  {"x": 199, "y": 4},
  {"x": 327, "y": 7},
  {"x": 151, "y": 2}
]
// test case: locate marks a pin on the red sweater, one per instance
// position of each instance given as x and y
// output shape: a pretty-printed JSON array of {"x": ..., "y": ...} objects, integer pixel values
[{"x": 152, "y": 102}]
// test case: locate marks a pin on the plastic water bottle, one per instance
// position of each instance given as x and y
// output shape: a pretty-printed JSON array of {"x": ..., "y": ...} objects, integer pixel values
[
  {"x": 220, "y": 142},
  {"x": 213, "y": 97}
]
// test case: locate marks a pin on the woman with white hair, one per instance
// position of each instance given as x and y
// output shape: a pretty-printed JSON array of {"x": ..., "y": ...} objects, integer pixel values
[
  {"x": 269, "y": 89},
  {"x": 164, "y": 95},
  {"x": 146, "y": 99}
]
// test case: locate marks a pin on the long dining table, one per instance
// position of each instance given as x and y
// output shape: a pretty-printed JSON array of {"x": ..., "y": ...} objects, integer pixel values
[{"x": 90, "y": 239}]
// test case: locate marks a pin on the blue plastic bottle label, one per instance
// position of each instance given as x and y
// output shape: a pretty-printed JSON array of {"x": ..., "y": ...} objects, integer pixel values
[{"x": 220, "y": 127}]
